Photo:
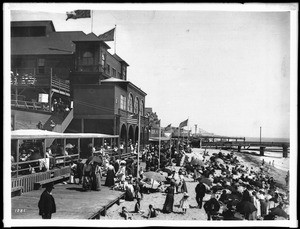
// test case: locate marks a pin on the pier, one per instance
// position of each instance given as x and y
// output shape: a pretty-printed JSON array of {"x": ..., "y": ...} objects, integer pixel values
[{"x": 239, "y": 143}]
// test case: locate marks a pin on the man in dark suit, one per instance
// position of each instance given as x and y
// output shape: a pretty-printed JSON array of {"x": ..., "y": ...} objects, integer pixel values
[
  {"x": 200, "y": 193},
  {"x": 47, "y": 203}
]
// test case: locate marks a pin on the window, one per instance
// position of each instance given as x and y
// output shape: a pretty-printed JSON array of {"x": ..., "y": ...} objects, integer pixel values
[
  {"x": 119, "y": 75},
  {"x": 102, "y": 59},
  {"x": 142, "y": 108},
  {"x": 87, "y": 59},
  {"x": 124, "y": 72},
  {"x": 114, "y": 72},
  {"x": 130, "y": 103},
  {"x": 123, "y": 102},
  {"x": 108, "y": 69},
  {"x": 41, "y": 66},
  {"x": 136, "y": 105}
]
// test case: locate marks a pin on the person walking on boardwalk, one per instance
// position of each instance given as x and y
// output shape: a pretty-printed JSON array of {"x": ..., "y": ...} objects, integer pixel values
[
  {"x": 110, "y": 177},
  {"x": 200, "y": 193},
  {"x": 96, "y": 177},
  {"x": 168, "y": 205},
  {"x": 46, "y": 203}
]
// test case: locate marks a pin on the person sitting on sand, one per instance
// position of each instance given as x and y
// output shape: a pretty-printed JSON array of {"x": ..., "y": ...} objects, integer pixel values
[
  {"x": 152, "y": 212},
  {"x": 125, "y": 213}
]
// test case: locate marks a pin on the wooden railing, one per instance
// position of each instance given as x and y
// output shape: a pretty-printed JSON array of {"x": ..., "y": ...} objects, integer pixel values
[
  {"x": 27, "y": 181},
  {"x": 29, "y": 105}
]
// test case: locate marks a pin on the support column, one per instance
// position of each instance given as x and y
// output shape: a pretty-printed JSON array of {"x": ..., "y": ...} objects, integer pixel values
[
  {"x": 284, "y": 151},
  {"x": 200, "y": 143},
  {"x": 239, "y": 148},
  {"x": 262, "y": 150},
  {"x": 82, "y": 125}
]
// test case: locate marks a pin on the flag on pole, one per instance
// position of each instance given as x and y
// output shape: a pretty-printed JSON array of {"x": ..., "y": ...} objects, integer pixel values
[
  {"x": 168, "y": 127},
  {"x": 78, "y": 14},
  {"x": 108, "y": 36},
  {"x": 184, "y": 123}
]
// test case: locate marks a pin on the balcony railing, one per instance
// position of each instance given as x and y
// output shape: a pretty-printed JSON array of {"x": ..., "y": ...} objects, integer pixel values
[{"x": 50, "y": 77}]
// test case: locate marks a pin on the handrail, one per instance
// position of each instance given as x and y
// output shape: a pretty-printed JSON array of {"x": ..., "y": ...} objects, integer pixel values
[{"x": 29, "y": 105}]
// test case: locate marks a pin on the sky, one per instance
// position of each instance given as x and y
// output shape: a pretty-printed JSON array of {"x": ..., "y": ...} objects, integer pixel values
[{"x": 228, "y": 72}]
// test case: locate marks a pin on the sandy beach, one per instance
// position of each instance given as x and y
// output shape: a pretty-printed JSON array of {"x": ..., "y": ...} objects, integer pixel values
[{"x": 193, "y": 213}]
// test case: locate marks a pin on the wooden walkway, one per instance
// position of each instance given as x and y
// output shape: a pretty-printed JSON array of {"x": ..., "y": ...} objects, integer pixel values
[{"x": 71, "y": 202}]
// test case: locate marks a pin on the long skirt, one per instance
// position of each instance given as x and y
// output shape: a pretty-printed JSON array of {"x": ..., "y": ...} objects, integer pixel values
[
  {"x": 86, "y": 183},
  {"x": 168, "y": 205},
  {"x": 96, "y": 182},
  {"x": 110, "y": 178}
]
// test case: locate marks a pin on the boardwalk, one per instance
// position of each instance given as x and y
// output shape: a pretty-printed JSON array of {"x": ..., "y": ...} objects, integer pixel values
[{"x": 71, "y": 202}]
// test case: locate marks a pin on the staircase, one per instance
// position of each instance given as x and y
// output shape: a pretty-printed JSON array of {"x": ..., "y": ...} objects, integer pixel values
[{"x": 62, "y": 121}]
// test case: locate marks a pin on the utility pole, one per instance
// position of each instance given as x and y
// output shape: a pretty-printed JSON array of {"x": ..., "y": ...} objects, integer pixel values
[
  {"x": 196, "y": 129},
  {"x": 260, "y": 135}
]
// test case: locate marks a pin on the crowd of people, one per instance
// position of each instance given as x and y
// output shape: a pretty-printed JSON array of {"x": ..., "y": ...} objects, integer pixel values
[{"x": 235, "y": 191}]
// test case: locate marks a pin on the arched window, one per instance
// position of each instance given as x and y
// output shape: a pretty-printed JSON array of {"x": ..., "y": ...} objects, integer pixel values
[
  {"x": 87, "y": 58},
  {"x": 130, "y": 103},
  {"x": 136, "y": 105},
  {"x": 142, "y": 108}
]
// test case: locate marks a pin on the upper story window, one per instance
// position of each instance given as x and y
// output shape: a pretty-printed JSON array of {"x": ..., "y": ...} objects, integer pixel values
[
  {"x": 123, "y": 102},
  {"x": 119, "y": 75},
  {"x": 142, "y": 108},
  {"x": 124, "y": 73},
  {"x": 136, "y": 105},
  {"x": 114, "y": 72},
  {"x": 130, "y": 103},
  {"x": 108, "y": 69},
  {"x": 41, "y": 66},
  {"x": 103, "y": 57},
  {"x": 87, "y": 58}
]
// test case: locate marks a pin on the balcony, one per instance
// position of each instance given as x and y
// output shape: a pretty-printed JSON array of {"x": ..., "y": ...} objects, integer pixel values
[{"x": 28, "y": 77}]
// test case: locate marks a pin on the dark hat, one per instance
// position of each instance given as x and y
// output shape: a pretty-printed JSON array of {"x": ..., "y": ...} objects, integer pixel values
[{"x": 49, "y": 185}]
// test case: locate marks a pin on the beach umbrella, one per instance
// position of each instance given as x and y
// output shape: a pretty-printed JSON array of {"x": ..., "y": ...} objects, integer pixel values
[
  {"x": 219, "y": 160},
  {"x": 155, "y": 176},
  {"x": 205, "y": 180},
  {"x": 197, "y": 161},
  {"x": 95, "y": 159}
]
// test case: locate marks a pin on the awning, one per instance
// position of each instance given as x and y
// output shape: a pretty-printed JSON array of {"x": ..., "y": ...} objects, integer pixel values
[{"x": 44, "y": 134}]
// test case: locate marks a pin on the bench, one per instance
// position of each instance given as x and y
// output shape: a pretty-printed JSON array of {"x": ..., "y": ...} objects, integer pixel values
[
  {"x": 17, "y": 191},
  {"x": 39, "y": 184}
]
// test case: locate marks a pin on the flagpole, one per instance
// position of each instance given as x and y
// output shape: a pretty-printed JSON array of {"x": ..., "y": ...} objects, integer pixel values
[
  {"x": 115, "y": 37},
  {"x": 92, "y": 21},
  {"x": 159, "y": 135}
]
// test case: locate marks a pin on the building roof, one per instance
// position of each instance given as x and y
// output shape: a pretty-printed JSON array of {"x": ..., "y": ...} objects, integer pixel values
[
  {"x": 33, "y": 23},
  {"x": 56, "y": 43},
  {"x": 116, "y": 80},
  {"x": 119, "y": 59}
]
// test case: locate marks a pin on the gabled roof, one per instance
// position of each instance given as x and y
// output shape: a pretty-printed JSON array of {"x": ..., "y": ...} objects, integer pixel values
[
  {"x": 56, "y": 43},
  {"x": 119, "y": 59}
]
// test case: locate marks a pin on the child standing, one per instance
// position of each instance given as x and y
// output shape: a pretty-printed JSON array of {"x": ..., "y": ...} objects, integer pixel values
[{"x": 184, "y": 204}]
